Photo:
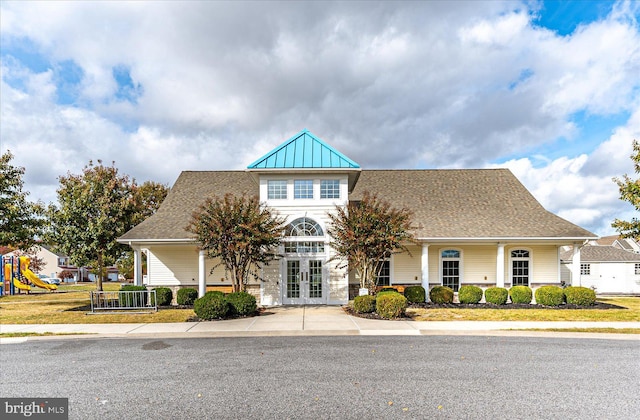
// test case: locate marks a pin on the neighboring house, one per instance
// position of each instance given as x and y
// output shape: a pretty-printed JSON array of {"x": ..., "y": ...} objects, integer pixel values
[
  {"x": 55, "y": 263},
  {"x": 477, "y": 226},
  {"x": 605, "y": 268},
  {"x": 616, "y": 241},
  {"x": 50, "y": 260}
]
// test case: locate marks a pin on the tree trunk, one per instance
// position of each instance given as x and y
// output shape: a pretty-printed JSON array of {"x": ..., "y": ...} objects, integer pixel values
[{"x": 100, "y": 272}]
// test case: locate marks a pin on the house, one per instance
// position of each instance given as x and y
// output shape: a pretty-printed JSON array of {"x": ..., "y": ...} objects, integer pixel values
[
  {"x": 54, "y": 263},
  {"x": 609, "y": 269},
  {"x": 50, "y": 260},
  {"x": 616, "y": 241},
  {"x": 473, "y": 226}
]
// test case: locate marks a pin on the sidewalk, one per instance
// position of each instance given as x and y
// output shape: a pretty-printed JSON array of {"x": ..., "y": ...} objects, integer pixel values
[{"x": 315, "y": 320}]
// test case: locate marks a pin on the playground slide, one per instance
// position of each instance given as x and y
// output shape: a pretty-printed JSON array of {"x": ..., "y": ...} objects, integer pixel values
[
  {"x": 20, "y": 285},
  {"x": 35, "y": 280}
]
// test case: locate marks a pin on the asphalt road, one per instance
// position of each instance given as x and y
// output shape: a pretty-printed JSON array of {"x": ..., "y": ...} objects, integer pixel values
[{"x": 330, "y": 377}]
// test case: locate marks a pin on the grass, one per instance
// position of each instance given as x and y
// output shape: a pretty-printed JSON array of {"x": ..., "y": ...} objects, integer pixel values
[
  {"x": 630, "y": 313},
  {"x": 588, "y": 330},
  {"x": 70, "y": 304},
  {"x": 34, "y": 334}
]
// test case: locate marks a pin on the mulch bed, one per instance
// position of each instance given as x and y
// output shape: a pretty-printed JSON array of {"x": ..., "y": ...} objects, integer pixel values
[
  {"x": 523, "y": 306},
  {"x": 430, "y": 305}
]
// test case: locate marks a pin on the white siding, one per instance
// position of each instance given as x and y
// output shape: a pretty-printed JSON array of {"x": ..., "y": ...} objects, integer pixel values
[
  {"x": 270, "y": 287},
  {"x": 479, "y": 264},
  {"x": 407, "y": 269},
  {"x": 612, "y": 277},
  {"x": 172, "y": 265}
]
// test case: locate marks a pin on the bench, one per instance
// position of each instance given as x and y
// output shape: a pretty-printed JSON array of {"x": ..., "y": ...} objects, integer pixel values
[{"x": 223, "y": 289}]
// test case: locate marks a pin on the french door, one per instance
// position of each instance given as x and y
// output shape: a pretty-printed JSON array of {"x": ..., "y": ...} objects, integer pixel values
[{"x": 303, "y": 282}]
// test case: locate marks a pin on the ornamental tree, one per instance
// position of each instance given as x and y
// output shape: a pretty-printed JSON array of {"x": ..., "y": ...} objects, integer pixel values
[
  {"x": 95, "y": 208},
  {"x": 240, "y": 232},
  {"x": 21, "y": 221},
  {"x": 630, "y": 191},
  {"x": 367, "y": 232}
]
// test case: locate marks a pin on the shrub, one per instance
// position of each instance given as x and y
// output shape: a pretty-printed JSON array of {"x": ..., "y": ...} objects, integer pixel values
[
  {"x": 441, "y": 294},
  {"x": 582, "y": 296},
  {"x": 496, "y": 295},
  {"x": 415, "y": 294},
  {"x": 387, "y": 290},
  {"x": 127, "y": 299},
  {"x": 186, "y": 296},
  {"x": 364, "y": 304},
  {"x": 549, "y": 296},
  {"x": 212, "y": 305},
  {"x": 242, "y": 303},
  {"x": 470, "y": 294},
  {"x": 164, "y": 295},
  {"x": 521, "y": 294},
  {"x": 391, "y": 305}
]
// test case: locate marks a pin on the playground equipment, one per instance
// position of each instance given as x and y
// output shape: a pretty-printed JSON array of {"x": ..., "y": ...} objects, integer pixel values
[{"x": 16, "y": 276}]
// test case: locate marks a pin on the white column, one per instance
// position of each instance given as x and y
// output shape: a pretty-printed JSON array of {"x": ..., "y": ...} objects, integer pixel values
[
  {"x": 575, "y": 265},
  {"x": 202, "y": 275},
  {"x": 137, "y": 267},
  {"x": 500, "y": 266},
  {"x": 425, "y": 269}
]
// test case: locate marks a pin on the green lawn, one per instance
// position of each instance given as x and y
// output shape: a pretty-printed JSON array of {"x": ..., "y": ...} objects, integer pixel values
[
  {"x": 69, "y": 305},
  {"x": 631, "y": 312}
]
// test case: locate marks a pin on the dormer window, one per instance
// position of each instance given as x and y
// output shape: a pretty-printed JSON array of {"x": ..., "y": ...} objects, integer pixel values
[
  {"x": 277, "y": 190},
  {"x": 329, "y": 188},
  {"x": 303, "y": 189}
]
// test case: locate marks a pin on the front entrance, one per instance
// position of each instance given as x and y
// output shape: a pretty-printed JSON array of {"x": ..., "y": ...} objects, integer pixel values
[{"x": 303, "y": 282}]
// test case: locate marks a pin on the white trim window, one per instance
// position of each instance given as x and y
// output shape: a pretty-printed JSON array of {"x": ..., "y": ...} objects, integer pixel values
[
  {"x": 451, "y": 268},
  {"x": 520, "y": 267},
  {"x": 384, "y": 276},
  {"x": 585, "y": 269},
  {"x": 329, "y": 188},
  {"x": 277, "y": 189},
  {"x": 303, "y": 189}
]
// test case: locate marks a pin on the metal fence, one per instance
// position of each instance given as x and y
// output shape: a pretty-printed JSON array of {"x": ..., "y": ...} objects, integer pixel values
[{"x": 139, "y": 300}]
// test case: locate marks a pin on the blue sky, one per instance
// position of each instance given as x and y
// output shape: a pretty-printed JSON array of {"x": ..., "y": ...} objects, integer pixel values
[{"x": 548, "y": 89}]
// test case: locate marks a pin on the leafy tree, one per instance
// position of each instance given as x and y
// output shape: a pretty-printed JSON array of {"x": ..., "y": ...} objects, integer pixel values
[
  {"x": 240, "y": 232},
  {"x": 95, "y": 208},
  {"x": 367, "y": 232},
  {"x": 21, "y": 221},
  {"x": 65, "y": 275},
  {"x": 36, "y": 264},
  {"x": 630, "y": 191},
  {"x": 147, "y": 200}
]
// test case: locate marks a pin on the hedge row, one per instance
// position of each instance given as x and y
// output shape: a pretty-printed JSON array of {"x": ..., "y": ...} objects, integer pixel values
[
  {"x": 545, "y": 295},
  {"x": 216, "y": 305}
]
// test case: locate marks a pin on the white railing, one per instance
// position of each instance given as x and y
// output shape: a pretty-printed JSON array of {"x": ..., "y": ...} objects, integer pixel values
[{"x": 139, "y": 300}]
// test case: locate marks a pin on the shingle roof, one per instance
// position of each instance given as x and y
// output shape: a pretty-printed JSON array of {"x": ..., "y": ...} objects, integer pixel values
[
  {"x": 601, "y": 253},
  {"x": 467, "y": 203},
  {"x": 189, "y": 191},
  {"x": 470, "y": 203}
]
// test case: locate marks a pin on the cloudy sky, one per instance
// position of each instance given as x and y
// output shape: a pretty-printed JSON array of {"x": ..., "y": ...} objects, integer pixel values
[{"x": 550, "y": 90}]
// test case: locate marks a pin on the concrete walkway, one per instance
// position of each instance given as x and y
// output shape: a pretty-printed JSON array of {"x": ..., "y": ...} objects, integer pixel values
[{"x": 315, "y": 320}]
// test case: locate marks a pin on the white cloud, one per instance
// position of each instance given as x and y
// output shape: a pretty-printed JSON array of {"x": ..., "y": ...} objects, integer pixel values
[{"x": 399, "y": 85}]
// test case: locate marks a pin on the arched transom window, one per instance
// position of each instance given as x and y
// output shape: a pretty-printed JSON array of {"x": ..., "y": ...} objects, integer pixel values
[
  {"x": 304, "y": 227},
  {"x": 304, "y": 235}
]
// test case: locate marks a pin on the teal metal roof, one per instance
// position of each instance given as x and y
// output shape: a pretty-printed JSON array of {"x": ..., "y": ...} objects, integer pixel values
[{"x": 304, "y": 150}]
